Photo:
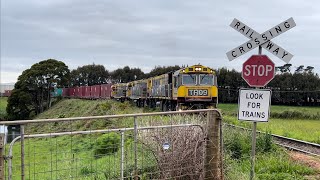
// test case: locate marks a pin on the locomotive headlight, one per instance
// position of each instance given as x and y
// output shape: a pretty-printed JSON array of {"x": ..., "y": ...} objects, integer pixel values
[{"x": 198, "y": 69}]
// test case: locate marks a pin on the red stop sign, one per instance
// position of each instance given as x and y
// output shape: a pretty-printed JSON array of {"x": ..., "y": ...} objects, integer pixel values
[{"x": 258, "y": 70}]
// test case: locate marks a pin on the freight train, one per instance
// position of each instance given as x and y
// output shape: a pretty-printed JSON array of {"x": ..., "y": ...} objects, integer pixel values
[{"x": 193, "y": 87}]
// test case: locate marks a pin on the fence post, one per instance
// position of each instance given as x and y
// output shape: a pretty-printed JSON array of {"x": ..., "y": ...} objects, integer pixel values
[
  {"x": 2, "y": 139},
  {"x": 135, "y": 149},
  {"x": 212, "y": 155},
  {"x": 22, "y": 150},
  {"x": 122, "y": 155}
]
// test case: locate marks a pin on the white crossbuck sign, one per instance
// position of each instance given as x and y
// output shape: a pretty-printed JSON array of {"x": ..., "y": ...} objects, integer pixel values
[{"x": 263, "y": 40}]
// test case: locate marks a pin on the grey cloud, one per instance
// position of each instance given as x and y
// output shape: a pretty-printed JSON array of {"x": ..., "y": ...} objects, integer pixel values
[{"x": 147, "y": 33}]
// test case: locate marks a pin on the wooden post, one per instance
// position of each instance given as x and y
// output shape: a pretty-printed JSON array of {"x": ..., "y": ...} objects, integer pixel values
[
  {"x": 212, "y": 170},
  {"x": 2, "y": 139}
]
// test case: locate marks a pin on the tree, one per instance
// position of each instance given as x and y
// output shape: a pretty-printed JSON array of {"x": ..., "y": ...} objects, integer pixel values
[
  {"x": 229, "y": 82},
  {"x": 35, "y": 84},
  {"x": 126, "y": 74},
  {"x": 299, "y": 69},
  {"x": 158, "y": 70},
  {"x": 309, "y": 69},
  {"x": 19, "y": 105},
  {"x": 89, "y": 75}
]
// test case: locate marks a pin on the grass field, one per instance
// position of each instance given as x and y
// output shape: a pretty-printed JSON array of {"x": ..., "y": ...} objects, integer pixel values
[
  {"x": 73, "y": 157},
  {"x": 3, "y": 105},
  {"x": 69, "y": 157},
  {"x": 295, "y": 122},
  {"x": 66, "y": 157}
]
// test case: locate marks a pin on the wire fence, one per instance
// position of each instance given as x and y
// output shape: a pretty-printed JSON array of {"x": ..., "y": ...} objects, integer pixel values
[
  {"x": 166, "y": 145},
  {"x": 279, "y": 97}
]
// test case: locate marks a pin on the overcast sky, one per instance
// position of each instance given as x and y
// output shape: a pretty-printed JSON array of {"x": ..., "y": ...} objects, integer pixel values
[{"x": 146, "y": 33}]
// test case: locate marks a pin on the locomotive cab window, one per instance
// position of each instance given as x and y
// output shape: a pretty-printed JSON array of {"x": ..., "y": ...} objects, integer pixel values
[
  {"x": 206, "y": 79},
  {"x": 175, "y": 81},
  {"x": 189, "y": 79}
]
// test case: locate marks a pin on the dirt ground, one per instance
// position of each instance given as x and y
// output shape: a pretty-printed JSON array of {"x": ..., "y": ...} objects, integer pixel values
[{"x": 313, "y": 162}]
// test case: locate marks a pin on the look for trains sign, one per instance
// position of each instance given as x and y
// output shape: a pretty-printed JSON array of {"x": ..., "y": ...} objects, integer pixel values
[{"x": 254, "y": 105}]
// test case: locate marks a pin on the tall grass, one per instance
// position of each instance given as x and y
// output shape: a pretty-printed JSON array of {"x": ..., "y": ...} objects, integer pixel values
[
  {"x": 281, "y": 112},
  {"x": 75, "y": 157},
  {"x": 295, "y": 122},
  {"x": 271, "y": 161},
  {"x": 3, "y": 106}
]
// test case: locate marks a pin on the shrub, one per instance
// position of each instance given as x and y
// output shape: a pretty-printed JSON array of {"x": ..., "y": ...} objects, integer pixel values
[
  {"x": 86, "y": 171},
  {"x": 61, "y": 115},
  {"x": 235, "y": 148},
  {"x": 264, "y": 142},
  {"x": 105, "y": 106},
  {"x": 107, "y": 144},
  {"x": 237, "y": 143},
  {"x": 292, "y": 115}
]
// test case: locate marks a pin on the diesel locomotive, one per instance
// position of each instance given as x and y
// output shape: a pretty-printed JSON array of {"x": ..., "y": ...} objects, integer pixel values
[{"x": 193, "y": 87}]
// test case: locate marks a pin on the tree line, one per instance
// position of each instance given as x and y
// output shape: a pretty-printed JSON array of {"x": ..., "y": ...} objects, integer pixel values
[
  {"x": 299, "y": 86},
  {"x": 32, "y": 92}
]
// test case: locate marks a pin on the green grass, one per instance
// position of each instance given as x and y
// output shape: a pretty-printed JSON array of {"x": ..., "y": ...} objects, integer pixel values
[
  {"x": 3, "y": 106},
  {"x": 80, "y": 108},
  {"x": 271, "y": 162},
  {"x": 307, "y": 128},
  {"x": 73, "y": 157},
  {"x": 275, "y": 165},
  {"x": 310, "y": 112}
]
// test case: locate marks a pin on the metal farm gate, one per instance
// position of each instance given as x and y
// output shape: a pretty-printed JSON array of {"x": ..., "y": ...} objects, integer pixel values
[{"x": 164, "y": 145}]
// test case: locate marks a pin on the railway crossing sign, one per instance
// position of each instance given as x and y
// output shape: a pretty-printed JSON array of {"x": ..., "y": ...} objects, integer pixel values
[
  {"x": 258, "y": 70},
  {"x": 263, "y": 40}
]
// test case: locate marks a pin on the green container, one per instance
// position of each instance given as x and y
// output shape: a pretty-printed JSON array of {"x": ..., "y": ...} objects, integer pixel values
[{"x": 57, "y": 92}]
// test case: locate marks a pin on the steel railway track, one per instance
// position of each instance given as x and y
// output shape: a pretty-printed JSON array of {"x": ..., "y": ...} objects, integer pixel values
[{"x": 290, "y": 143}]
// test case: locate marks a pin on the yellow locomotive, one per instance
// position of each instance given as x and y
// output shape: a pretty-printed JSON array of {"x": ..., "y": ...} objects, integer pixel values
[
  {"x": 193, "y": 87},
  {"x": 119, "y": 91}
]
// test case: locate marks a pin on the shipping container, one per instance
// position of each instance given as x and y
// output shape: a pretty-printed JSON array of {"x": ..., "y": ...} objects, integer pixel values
[
  {"x": 105, "y": 91},
  {"x": 86, "y": 92},
  {"x": 78, "y": 92},
  {"x": 72, "y": 92},
  {"x": 81, "y": 93},
  {"x": 95, "y": 91},
  {"x": 7, "y": 93},
  {"x": 65, "y": 92},
  {"x": 57, "y": 92}
]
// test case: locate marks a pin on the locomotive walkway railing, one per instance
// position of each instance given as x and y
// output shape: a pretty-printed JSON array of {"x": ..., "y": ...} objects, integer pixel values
[{"x": 160, "y": 145}]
